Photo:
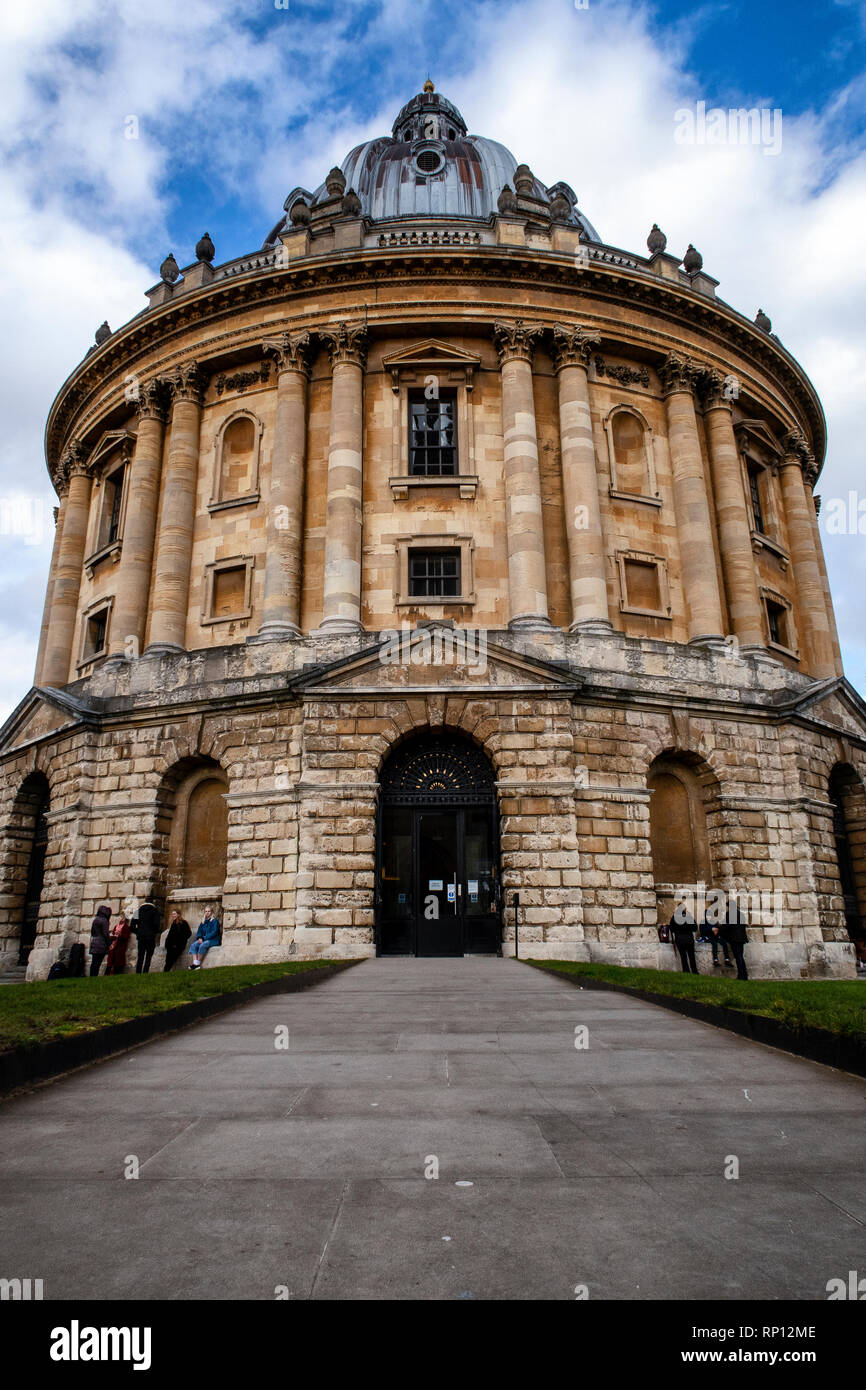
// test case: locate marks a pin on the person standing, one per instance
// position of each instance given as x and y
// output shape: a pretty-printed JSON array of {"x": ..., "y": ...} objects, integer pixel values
[
  {"x": 100, "y": 942},
  {"x": 733, "y": 933},
  {"x": 176, "y": 938},
  {"x": 119, "y": 942},
  {"x": 683, "y": 927},
  {"x": 146, "y": 928},
  {"x": 208, "y": 935}
]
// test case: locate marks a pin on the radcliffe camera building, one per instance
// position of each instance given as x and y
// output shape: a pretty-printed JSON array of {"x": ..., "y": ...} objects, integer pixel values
[{"x": 435, "y": 552}]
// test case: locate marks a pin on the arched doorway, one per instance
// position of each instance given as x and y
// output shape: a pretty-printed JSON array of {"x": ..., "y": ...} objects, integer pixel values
[
  {"x": 438, "y": 879},
  {"x": 190, "y": 861},
  {"x": 679, "y": 838},
  {"x": 32, "y": 804}
]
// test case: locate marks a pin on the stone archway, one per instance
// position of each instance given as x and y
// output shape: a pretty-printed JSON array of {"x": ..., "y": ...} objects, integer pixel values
[
  {"x": 680, "y": 842},
  {"x": 192, "y": 838},
  {"x": 438, "y": 879},
  {"x": 27, "y": 845},
  {"x": 848, "y": 800}
]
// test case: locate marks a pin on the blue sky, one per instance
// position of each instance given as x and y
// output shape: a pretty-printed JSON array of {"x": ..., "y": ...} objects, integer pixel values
[{"x": 237, "y": 103}]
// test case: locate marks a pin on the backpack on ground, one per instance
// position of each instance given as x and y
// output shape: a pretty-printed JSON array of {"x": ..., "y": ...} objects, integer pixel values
[{"x": 58, "y": 971}]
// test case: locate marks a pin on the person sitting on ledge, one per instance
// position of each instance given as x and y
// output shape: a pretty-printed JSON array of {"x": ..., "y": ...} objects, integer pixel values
[{"x": 208, "y": 935}]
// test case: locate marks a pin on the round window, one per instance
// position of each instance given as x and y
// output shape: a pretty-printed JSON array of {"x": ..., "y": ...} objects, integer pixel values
[{"x": 429, "y": 161}]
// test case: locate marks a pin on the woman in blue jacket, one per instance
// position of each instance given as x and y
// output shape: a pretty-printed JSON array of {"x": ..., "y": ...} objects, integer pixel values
[{"x": 208, "y": 935}]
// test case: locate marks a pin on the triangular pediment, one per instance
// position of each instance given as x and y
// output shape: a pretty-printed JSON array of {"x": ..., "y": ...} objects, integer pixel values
[
  {"x": 110, "y": 441},
  {"x": 437, "y": 658},
  {"x": 42, "y": 712},
  {"x": 430, "y": 352},
  {"x": 834, "y": 703},
  {"x": 756, "y": 432}
]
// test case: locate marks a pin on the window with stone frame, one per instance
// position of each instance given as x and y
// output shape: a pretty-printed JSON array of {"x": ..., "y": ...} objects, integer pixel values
[
  {"x": 643, "y": 584},
  {"x": 779, "y": 625},
  {"x": 756, "y": 500},
  {"x": 630, "y": 451},
  {"x": 112, "y": 503},
  {"x": 237, "y": 459},
  {"x": 94, "y": 640},
  {"x": 434, "y": 574},
  {"x": 433, "y": 434}
]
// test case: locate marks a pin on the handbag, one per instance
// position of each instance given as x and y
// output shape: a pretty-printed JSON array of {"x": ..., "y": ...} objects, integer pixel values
[{"x": 664, "y": 933}]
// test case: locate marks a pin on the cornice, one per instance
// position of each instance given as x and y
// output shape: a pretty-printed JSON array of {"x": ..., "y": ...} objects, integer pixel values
[{"x": 721, "y": 325}]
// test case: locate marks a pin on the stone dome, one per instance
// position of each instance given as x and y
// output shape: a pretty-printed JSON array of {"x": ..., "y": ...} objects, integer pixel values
[{"x": 429, "y": 166}]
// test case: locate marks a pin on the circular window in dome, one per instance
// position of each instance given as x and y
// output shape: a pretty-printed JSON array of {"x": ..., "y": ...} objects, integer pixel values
[{"x": 429, "y": 162}]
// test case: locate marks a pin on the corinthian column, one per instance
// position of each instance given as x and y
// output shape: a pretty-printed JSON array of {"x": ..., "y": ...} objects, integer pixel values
[
  {"x": 825, "y": 582},
  {"x": 170, "y": 597},
  {"x": 59, "y": 513},
  {"x": 694, "y": 523},
  {"x": 341, "y": 604},
  {"x": 571, "y": 353},
  {"x": 67, "y": 578},
  {"x": 139, "y": 528},
  {"x": 732, "y": 516},
  {"x": 281, "y": 613},
  {"x": 527, "y": 574},
  {"x": 811, "y": 615}
]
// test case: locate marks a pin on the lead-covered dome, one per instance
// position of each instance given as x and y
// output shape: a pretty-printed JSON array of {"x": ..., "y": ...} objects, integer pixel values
[{"x": 430, "y": 166}]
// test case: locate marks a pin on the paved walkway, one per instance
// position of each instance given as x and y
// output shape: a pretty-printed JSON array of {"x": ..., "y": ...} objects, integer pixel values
[{"x": 305, "y": 1167}]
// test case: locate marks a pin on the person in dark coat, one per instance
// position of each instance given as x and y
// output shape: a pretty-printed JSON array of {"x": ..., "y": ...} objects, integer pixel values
[
  {"x": 119, "y": 941},
  {"x": 146, "y": 927},
  {"x": 178, "y": 935},
  {"x": 100, "y": 942},
  {"x": 733, "y": 933},
  {"x": 683, "y": 927}
]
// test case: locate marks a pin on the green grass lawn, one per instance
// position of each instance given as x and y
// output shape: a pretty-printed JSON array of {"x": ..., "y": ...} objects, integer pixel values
[
  {"x": 837, "y": 1006},
  {"x": 41, "y": 1012}
]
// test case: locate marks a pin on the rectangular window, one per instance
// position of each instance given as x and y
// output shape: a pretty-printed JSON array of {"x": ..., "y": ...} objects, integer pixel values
[
  {"x": 434, "y": 574},
  {"x": 229, "y": 592},
  {"x": 777, "y": 623},
  {"x": 755, "y": 495},
  {"x": 95, "y": 635},
  {"x": 433, "y": 434},
  {"x": 109, "y": 516}
]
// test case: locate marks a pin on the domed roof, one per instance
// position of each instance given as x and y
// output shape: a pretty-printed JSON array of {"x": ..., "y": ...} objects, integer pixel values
[{"x": 430, "y": 166}]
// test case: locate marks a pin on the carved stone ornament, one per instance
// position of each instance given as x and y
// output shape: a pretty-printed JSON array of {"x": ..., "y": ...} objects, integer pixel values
[
  {"x": 560, "y": 208},
  {"x": 692, "y": 261},
  {"x": 656, "y": 241},
  {"x": 573, "y": 346},
  {"x": 300, "y": 214},
  {"x": 205, "y": 249},
  {"x": 516, "y": 339},
  {"x": 102, "y": 334},
  {"x": 710, "y": 386},
  {"x": 507, "y": 201},
  {"x": 291, "y": 351},
  {"x": 188, "y": 383},
  {"x": 523, "y": 181},
  {"x": 763, "y": 321},
  {"x": 239, "y": 381},
  {"x": 627, "y": 376},
  {"x": 335, "y": 183},
  {"x": 351, "y": 204},
  {"x": 74, "y": 461},
  {"x": 169, "y": 270},
  {"x": 152, "y": 400},
  {"x": 677, "y": 373},
  {"x": 346, "y": 342}
]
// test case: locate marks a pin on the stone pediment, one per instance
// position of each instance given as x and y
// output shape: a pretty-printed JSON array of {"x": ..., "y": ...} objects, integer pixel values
[
  {"x": 39, "y": 714},
  {"x": 755, "y": 433},
  {"x": 437, "y": 658},
  {"x": 430, "y": 352},
  {"x": 835, "y": 703}
]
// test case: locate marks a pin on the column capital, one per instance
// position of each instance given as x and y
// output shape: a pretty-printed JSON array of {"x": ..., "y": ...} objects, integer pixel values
[
  {"x": 678, "y": 374},
  {"x": 151, "y": 401},
  {"x": 515, "y": 339},
  {"x": 74, "y": 463},
  {"x": 796, "y": 450},
  {"x": 291, "y": 351},
  {"x": 573, "y": 346},
  {"x": 187, "y": 383},
  {"x": 346, "y": 342},
  {"x": 715, "y": 392}
]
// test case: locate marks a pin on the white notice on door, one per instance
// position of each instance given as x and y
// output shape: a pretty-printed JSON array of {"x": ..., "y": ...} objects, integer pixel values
[
  {"x": 435, "y": 885},
  {"x": 473, "y": 886},
  {"x": 451, "y": 892}
]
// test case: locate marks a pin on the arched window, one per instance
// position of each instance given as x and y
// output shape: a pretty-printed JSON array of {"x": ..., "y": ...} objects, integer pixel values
[
  {"x": 236, "y": 470},
  {"x": 848, "y": 799},
  {"x": 629, "y": 440}
]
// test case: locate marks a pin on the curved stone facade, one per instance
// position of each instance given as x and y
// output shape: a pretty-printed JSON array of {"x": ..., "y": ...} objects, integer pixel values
[{"x": 255, "y": 534}]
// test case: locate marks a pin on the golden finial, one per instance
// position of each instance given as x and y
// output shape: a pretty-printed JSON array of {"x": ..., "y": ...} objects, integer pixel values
[{"x": 428, "y": 86}]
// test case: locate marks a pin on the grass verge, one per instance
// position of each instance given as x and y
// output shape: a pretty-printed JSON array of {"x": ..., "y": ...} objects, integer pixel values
[
  {"x": 837, "y": 1007},
  {"x": 46, "y": 1011}
]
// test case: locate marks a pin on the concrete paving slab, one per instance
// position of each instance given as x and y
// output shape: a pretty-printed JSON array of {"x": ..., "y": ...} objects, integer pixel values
[{"x": 306, "y": 1168}]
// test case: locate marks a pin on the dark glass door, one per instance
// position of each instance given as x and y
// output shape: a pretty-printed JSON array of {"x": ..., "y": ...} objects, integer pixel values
[{"x": 439, "y": 923}]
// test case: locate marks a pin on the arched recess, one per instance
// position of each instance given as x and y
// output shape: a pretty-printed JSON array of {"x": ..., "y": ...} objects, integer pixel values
[
  {"x": 192, "y": 838},
  {"x": 27, "y": 847},
  {"x": 630, "y": 448},
  {"x": 237, "y": 458},
  {"x": 438, "y": 881},
  {"x": 683, "y": 790},
  {"x": 848, "y": 799}
]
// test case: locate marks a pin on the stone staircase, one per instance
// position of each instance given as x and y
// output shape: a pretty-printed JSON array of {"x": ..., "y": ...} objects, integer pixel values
[{"x": 15, "y": 976}]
